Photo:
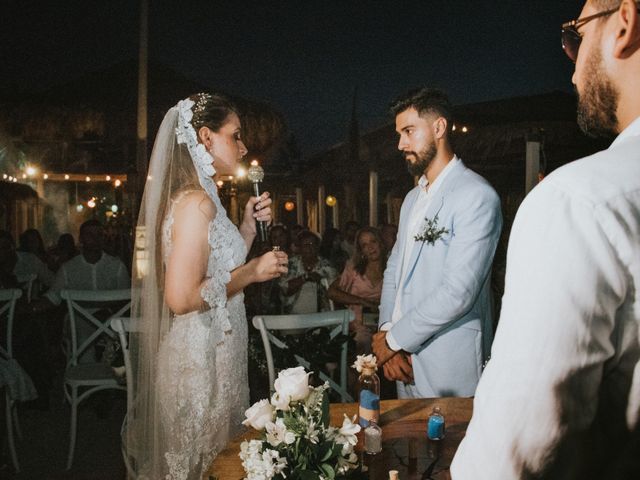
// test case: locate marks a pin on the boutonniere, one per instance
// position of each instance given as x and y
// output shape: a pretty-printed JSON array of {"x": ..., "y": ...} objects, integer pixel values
[{"x": 431, "y": 232}]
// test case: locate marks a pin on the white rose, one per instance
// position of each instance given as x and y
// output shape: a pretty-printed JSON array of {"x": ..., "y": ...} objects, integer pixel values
[
  {"x": 292, "y": 383},
  {"x": 259, "y": 414},
  {"x": 279, "y": 402}
]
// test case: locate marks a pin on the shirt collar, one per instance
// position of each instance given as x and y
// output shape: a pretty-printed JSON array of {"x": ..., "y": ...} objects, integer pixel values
[
  {"x": 632, "y": 130},
  {"x": 424, "y": 183}
]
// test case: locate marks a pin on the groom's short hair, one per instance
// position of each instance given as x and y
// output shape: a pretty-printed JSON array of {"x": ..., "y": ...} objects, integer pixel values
[{"x": 426, "y": 101}]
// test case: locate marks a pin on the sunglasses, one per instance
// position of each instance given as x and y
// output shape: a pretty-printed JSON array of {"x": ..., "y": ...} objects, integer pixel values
[{"x": 572, "y": 38}]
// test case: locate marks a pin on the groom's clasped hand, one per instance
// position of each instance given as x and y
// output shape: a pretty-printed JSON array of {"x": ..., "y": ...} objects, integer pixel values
[{"x": 396, "y": 365}]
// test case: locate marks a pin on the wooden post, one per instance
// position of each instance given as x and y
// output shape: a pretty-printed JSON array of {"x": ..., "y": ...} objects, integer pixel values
[
  {"x": 532, "y": 165},
  {"x": 141, "y": 144},
  {"x": 300, "y": 206},
  {"x": 321, "y": 210},
  {"x": 335, "y": 215},
  {"x": 373, "y": 199}
]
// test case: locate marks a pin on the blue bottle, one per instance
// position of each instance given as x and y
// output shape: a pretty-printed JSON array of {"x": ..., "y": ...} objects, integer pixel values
[{"x": 435, "y": 425}]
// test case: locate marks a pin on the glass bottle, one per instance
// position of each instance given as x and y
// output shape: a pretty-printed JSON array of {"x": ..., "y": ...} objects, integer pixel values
[
  {"x": 369, "y": 397},
  {"x": 435, "y": 425},
  {"x": 372, "y": 438}
]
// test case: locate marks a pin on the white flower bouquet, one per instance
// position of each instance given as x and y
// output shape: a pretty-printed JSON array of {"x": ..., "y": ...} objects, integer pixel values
[{"x": 297, "y": 442}]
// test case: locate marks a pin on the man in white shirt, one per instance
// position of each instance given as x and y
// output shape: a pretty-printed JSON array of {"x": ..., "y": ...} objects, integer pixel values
[
  {"x": 435, "y": 309},
  {"x": 560, "y": 398},
  {"x": 93, "y": 269}
]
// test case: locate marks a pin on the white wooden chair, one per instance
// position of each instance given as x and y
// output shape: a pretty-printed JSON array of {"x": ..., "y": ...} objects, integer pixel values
[
  {"x": 339, "y": 319},
  {"x": 82, "y": 305},
  {"x": 122, "y": 326},
  {"x": 8, "y": 300},
  {"x": 27, "y": 283}
]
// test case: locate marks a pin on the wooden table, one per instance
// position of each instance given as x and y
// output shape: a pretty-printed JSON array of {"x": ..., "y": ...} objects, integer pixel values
[{"x": 405, "y": 447}]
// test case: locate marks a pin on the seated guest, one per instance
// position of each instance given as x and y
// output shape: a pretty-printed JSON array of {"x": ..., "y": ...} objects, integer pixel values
[
  {"x": 21, "y": 265},
  {"x": 348, "y": 243},
  {"x": 31, "y": 241},
  {"x": 279, "y": 237},
  {"x": 92, "y": 270},
  {"x": 64, "y": 251},
  {"x": 331, "y": 249},
  {"x": 360, "y": 285},
  {"x": 388, "y": 233},
  {"x": 302, "y": 288}
]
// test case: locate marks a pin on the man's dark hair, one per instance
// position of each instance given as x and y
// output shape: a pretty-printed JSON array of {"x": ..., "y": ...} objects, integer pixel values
[
  {"x": 426, "y": 101},
  {"x": 90, "y": 223}
]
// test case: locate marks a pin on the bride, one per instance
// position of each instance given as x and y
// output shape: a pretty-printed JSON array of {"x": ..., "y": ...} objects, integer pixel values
[{"x": 190, "y": 385}]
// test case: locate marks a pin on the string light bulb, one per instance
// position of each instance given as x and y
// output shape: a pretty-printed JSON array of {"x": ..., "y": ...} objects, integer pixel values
[
  {"x": 87, "y": 179},
  {"x": 30, "y": 171},
  {"x": 117, "y": 183},
  {"x": 45, "y": 176},
  {"x": 108, "y": 178},
  {"x": 66, "y": 177},
  {"x": 91, "y": 203}
]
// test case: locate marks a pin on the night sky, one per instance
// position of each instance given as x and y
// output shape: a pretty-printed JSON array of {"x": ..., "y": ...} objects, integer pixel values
[{"x": 305, "y": 58}]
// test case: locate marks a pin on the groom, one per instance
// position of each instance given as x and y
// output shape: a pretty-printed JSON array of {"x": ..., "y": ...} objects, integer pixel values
[{"x": 435, "y": 311}]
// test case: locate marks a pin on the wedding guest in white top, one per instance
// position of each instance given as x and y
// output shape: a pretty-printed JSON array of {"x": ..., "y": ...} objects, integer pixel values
[
  {"x": 560, "y": 397},
  {"x": 22, "y": 265},
  {"x": 93, "y": 269}
]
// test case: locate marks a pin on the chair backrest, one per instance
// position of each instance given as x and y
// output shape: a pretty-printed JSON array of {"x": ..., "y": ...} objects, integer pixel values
[
  {"x": 8, "y": 300},
  {"x": 325, "y": 284},
  {"x": 27, "y": 283},
  {"x": 122, "y": 326},
  {"x": 82, "y": 304},
  {"x": 338, "y": 318}
]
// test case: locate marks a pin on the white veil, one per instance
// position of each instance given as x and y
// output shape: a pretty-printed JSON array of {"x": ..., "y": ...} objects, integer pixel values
[{"x": 178, "y": 163}]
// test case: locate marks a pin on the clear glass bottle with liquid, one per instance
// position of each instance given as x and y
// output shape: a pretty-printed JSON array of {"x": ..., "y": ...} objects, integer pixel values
[
  {"x": 435, "y": 425},
  {"x": 372, "y": 438},
  {"x": 369, "y": 397}
]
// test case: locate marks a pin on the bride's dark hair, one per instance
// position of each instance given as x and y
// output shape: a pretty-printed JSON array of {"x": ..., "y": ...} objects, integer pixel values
[{"x": 211, "y": 110}]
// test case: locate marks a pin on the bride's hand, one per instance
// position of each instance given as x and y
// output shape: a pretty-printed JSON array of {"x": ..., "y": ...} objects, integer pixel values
[
  {"x": 270, "y": 265},
  {"x": 257, "y": 208}
]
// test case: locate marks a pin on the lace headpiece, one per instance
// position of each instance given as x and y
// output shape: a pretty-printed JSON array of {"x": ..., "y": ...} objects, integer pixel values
[{"x": 186, "y": 134}]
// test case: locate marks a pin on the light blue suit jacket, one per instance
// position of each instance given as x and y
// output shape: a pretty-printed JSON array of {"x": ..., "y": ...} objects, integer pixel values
[{"x": 446, "y": 302}]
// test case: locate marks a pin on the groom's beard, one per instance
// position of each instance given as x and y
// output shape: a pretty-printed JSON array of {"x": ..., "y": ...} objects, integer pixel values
[
  {"x": 598, "y": 103},
  {"x": 423, "y": 159}
]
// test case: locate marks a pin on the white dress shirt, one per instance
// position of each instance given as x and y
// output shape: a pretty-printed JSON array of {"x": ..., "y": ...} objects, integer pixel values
[
  {"x": 415, "y": 226},
  {"x": 108, "y": 273},
  {"x": 562, "y": 390}
]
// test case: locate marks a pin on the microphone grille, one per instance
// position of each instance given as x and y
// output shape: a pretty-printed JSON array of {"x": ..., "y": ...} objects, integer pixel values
[{"x": 255, "y": 173}]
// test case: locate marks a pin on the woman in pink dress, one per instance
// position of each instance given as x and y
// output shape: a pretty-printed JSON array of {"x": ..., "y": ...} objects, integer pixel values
[{"x": 360, "y": 285}]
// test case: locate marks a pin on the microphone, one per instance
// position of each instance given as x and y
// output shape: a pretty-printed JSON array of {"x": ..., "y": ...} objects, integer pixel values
[{"x": 255, "y": 176}]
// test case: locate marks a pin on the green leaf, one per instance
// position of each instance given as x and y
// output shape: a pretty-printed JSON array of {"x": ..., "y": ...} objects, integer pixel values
[
  {"x": 326, "y": 417},
  {"x": 326, "y": 452},
  {"x": 328, "y": 470}
]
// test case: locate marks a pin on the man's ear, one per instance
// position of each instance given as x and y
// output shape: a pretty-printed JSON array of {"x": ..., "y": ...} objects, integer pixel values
[
  {"x": 440, "y": 127},
  {"x": 627, "y": 30}
]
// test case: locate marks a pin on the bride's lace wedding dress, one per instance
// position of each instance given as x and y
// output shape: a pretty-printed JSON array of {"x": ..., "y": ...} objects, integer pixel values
[{"x": 202, "y": 379}]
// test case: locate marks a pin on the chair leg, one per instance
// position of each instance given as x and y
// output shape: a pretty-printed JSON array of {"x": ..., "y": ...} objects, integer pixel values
[
  {"x": 16, "y": 421},
  {"x": 10, "y": 439},
  {"x": 74, "y": 421}
]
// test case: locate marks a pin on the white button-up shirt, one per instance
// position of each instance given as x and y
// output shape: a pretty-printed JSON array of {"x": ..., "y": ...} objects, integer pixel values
[
  {"x": 415, "y": 225},
  {"x": 562, "y": 390},
  {"x": 108, "y": 273}
]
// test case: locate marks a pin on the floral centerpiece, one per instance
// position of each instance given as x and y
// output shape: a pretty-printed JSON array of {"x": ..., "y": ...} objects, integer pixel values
[{"x": 296, "y": 440}]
